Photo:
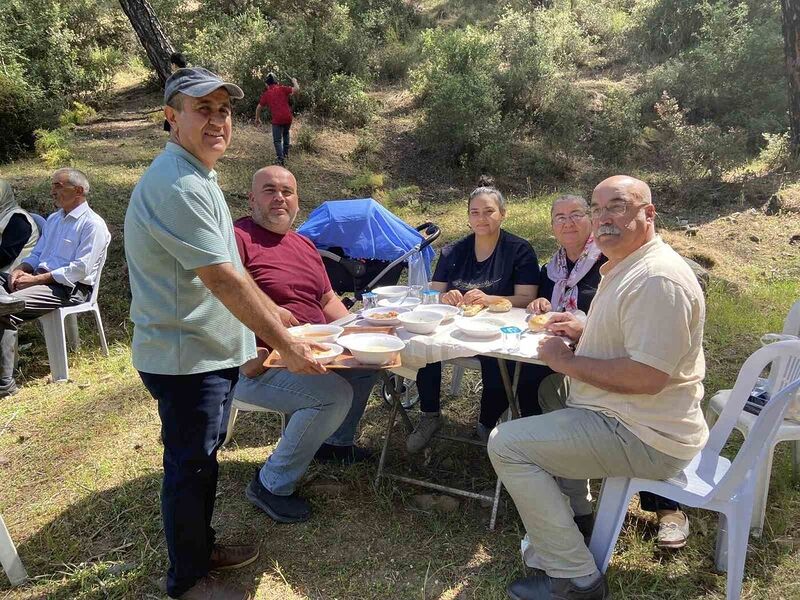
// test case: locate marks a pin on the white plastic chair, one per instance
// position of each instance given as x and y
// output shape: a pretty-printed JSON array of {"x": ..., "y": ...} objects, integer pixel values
[
  {"x": 244, "y": 406},
  {"x": 711, "y": 481},
  {"x": 9, "y": 558},
  {"x": 459, "y": 366},
  {"x": 789, "y": 431},
  {"x": 55, "y": 332}
]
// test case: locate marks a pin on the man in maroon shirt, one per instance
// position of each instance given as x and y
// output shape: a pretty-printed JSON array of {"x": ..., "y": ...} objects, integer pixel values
[
  {"x": 325, "y": 409},
  {"x": 276, "y": 97}
]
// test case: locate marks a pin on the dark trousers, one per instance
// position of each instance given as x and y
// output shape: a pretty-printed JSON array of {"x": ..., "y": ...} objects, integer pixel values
[
  {"x": 494, "y": 400},
  {"x": 280, "y": 138},
  {"x": 39, "y": 300},
  {"x": 194, "y": 413}
]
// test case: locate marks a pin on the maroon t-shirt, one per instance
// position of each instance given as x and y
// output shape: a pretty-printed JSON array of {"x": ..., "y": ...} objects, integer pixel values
[
  {"x": 277, "y": 98},
  {"x": 287, "y": 268}
]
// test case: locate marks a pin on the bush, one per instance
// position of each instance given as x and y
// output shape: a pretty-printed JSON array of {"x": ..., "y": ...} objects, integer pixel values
[
  {"x": 399, "y": 197},
  {"x": 461, "y": 100},
  {"x": 343, "y": 99},
  {"x": 22, "y": 111},
  {"x": 78, "y": 115},
  {"x": 778, "y": 151},
  {"x": 693, "y": 151},
  {"x": 365, "y": 149},
  {"x": 365, "y": 182},
  {"x": 51, "y": 146},
  {"x": 616, "y": 127},
  {"x": 306, "y": 139}
]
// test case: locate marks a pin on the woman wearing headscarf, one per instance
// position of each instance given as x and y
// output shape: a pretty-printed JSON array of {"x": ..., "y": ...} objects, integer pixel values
[{"x": 18, "y": 231}]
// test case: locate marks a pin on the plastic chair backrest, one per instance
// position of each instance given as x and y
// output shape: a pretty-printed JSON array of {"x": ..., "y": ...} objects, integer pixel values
[
  {"x": 96, "y": 287},
  {"x": 777, "y": 377},
  {"x": 768, "y": 422},
  {"x": 40, "y": 222}
]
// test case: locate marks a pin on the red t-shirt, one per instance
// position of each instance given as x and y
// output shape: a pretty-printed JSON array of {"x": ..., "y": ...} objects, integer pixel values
[
  {"x": 277, "y": 98},
  {"x": 287, "y": 268}
]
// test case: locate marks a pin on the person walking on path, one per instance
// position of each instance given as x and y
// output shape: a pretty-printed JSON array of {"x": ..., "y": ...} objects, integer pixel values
[
  {"x": 276, "y": 97},
  {"x": 195, "y": 310}
]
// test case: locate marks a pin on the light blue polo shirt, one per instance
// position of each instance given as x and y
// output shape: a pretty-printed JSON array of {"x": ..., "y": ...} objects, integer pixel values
[{"x": 177, "y": 221}]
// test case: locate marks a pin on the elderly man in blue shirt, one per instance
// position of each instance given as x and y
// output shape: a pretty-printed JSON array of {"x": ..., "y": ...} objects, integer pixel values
[{"x": 60, "y": 271}]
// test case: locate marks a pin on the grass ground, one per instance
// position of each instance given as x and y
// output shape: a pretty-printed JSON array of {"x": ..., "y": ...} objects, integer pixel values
[{"x": 81, "y": 461}]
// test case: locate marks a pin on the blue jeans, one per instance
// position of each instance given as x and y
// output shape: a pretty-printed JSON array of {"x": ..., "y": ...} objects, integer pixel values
[
  {"x": 194, "y": 415},
  {"x": 323, "y": 408},
  {"x": 280, "y": 138}
]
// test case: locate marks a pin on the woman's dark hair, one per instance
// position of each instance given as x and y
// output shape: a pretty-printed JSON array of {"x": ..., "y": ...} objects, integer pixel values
[
  {"x": 178, "y": 59},
  {"x": 271, "y": 79},
  {"x": 486, "y": 186}
]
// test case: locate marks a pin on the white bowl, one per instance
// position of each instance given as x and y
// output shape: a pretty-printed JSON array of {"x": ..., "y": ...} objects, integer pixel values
[
  {"x": 372, "y": 348},
  {"x": 334, "y": 350},
  {"x": 447, "y": 311},
  {"x": 372, "y": 317},
  {"x": 406, "y": 303},
  {"x": 421, "y": 321},
  {"x": 317, "y": 333},
  {"x": 485, "y": 327},
  {"x": 391, "y": 291}
]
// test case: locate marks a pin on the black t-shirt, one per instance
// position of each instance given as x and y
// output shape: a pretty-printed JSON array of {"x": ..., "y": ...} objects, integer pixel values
[
  {"x": 513, "y": 262},
  {"x": 15, "y": 236},
  {"x": 587, "y": 287}
]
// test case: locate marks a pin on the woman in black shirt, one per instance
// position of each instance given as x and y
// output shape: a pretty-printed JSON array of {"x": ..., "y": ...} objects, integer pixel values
[
  {"x": 488, "y": 265},
  {"x": 18, "y": 231}
]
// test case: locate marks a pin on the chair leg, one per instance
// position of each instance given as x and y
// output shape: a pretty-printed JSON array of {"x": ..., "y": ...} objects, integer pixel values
[
  {"x": 12, "y": 564},
  {"x": 611, "y": 510},
  {"x": 455, "y": 382},
  {"x": 55, "y": 338},
  {"x": 72, "y": 332},
  {"x": 231, "y": 420},
  {"x": 721, "y": 545},
  {"x": 100, "y": 332},
  {"x": 738, "y": 531},
  {"x": 711, "y": 416},
  {"x": 495, "y": 504},
  {"x": 761, "y": 492},
  {"x": 796, "y": 462}
]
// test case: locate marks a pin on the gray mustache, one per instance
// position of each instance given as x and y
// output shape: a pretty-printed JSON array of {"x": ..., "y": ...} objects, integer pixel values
[{"x": 608, "y": 230}]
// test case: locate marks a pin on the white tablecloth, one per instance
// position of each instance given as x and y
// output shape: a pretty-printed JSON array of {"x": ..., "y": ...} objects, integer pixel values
[{"x": 448, "y": 342}]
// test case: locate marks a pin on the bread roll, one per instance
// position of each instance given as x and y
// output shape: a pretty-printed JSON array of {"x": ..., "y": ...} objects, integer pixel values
[{"x": 501, "y": 306}]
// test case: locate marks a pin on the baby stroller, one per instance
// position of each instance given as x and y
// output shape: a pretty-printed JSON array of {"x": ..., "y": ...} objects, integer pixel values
[{"x": 363, "y": 246}]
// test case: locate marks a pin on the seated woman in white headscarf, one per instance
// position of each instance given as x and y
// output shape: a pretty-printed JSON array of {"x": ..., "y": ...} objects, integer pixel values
[{"x": 18, "y": 231}]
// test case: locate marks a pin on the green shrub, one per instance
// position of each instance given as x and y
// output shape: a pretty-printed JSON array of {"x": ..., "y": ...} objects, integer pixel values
[
  {"x": 77, "y": 115},
  {"x": 51, "y": 146},
  {"x": 616, "y": 127},
  {"x": 365, "y": 182},
  {"x": 365, "y": 148},
  {"x": 22, "y": 111},
  {"x": 399, "y": 197},
  {"x": 344, "y": 99},
  {"x": 306, "y": 139},
  {"x": 460, "y": 98},
  {"x": 778, "y": 151}
]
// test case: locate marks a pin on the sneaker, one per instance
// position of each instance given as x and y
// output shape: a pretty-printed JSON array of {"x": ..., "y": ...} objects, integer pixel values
[
  {"x": 209, "y": 588},
  {"x": 225, "y": 558},
  {"x": 283, "y": 509},
  {"x": 541, "y": 587},
  {"x": 8, "y": 389},
  {"x": 429, "y": 424},
  {"x": 346, "y": 454},
  {"x": 673, "y": 529}
]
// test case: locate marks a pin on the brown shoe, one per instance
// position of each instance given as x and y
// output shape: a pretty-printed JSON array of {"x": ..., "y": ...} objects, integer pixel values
[
  {"x": 224, "y": 558},
  {"x": 209, "y": 588}
]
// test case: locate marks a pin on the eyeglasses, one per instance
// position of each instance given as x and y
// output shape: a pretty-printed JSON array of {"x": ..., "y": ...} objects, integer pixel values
[
  {"x": 614, "y": 209},
  {"x": 573, "y": 216}
]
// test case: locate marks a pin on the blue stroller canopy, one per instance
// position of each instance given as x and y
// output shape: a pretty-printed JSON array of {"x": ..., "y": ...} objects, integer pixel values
[{"x": 362, "y": 229}]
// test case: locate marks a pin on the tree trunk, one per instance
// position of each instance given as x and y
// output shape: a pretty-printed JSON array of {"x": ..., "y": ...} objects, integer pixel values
[
  {"x": 151, "y": 35},
  {"x": 791, "y": 43}
]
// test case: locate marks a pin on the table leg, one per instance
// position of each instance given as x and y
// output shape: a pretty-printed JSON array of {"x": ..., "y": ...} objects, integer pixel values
[
  {"x": 397, "y": 400},
  {"x": 511, "y": 388}
]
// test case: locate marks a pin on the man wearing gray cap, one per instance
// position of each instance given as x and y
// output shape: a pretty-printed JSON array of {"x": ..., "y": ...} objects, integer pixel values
[{"x": 194, "y": 310}]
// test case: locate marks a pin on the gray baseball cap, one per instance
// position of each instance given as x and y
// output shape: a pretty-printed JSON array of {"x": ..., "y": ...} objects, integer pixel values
[{"x": 197, "y": 82}]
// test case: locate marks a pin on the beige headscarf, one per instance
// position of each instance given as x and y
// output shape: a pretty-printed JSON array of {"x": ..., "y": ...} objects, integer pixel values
[{"x": 8, "y": 208}]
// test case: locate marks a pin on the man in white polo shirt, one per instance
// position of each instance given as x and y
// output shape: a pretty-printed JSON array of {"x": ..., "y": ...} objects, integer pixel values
[
  {"x": 60, "y": 270},
  {"x": 633, "y": 409}
]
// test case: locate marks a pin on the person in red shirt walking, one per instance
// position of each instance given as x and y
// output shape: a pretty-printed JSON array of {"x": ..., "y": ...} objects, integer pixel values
[{"x": 276, "y": 97}]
